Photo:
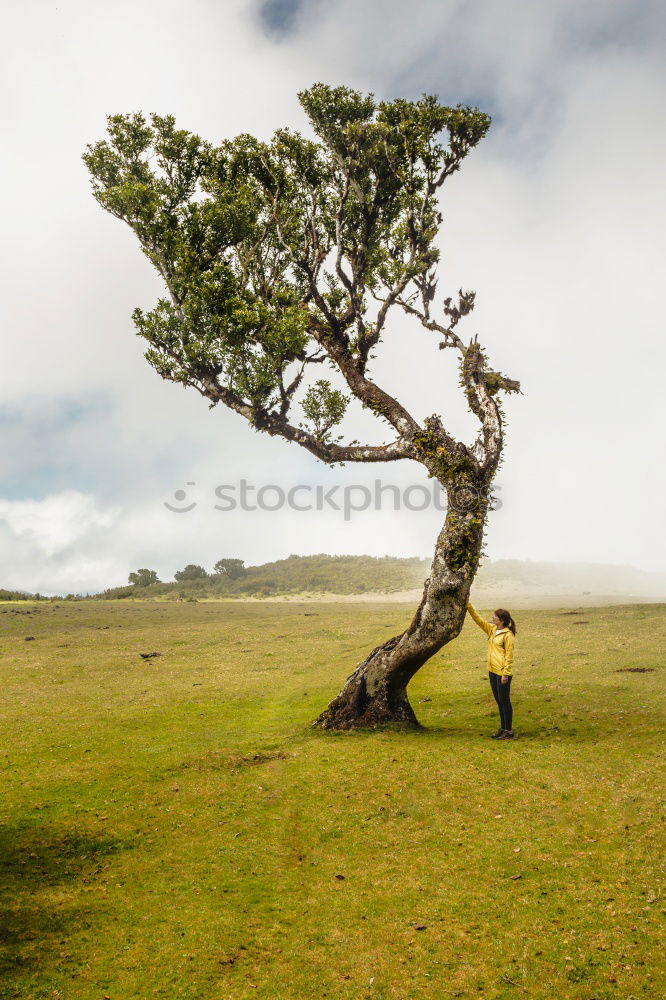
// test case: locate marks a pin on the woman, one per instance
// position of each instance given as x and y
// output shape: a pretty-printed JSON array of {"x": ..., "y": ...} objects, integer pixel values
[{"x": 500, "y": 661}]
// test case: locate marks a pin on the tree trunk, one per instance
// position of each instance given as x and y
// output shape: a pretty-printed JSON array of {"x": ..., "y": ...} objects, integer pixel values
[{"x": 376, "y": 692}]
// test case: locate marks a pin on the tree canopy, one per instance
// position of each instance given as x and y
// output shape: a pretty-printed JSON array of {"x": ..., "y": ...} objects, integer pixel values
[
  {"x": 143, "y": 578},
  {"x": 281, "y": 255},
  {"x": 190, "y": 572},
  {"x": 232, "y": 568}
]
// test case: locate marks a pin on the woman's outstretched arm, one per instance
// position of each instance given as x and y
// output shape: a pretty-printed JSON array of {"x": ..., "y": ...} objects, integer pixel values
[{"x": 487, "y": 627}]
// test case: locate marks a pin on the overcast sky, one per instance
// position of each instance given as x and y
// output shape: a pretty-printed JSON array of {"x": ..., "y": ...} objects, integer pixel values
[{"x": 557, "y": 220}]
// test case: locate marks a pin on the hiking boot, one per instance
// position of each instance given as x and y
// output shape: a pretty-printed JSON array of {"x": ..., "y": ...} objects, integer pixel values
[
  {"x": 497, "y": 735},
  {"x": 506, "y": 734}
]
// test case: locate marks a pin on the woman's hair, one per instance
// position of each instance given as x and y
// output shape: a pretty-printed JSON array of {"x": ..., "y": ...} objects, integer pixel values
[{"x": 506, "y": 619}]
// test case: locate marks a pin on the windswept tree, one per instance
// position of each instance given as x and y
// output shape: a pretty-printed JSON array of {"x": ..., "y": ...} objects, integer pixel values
[{"x": 281, "y": 257}]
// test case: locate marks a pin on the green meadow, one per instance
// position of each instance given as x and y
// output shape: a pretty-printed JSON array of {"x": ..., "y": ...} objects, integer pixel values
[{"x": 173, "y": 827}]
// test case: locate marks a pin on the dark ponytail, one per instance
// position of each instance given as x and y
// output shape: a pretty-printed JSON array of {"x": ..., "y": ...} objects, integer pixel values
[{"x": 506, "y": 620}]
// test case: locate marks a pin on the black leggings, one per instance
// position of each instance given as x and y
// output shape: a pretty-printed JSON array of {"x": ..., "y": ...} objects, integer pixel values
[{"x": 502, "y": 695}]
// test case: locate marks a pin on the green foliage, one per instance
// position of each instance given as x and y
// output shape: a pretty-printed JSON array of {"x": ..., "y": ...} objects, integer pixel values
[
  {"x": 323, "y": 408},
  {"x": 233, "y": 569},
  {"x": 143, "y": 578},
  {"x": 259, "y": 243},
  {"x": 394, "y": 158},
  {"x": 191, "y": 572},
  {"x": 219, "y": 318}
]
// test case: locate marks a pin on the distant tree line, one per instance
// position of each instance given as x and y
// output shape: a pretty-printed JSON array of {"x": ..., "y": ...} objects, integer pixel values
[
  {"x": 232, "y": 569},
  {"x": 20, "y": 595}
]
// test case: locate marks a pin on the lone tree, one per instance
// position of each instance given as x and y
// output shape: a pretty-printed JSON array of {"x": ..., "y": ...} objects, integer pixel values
[
  {"x": 143, "y": 578},
  {"x": 281, "y": 256},
  {"x": 232, "y": 569},
  {"x": 191, "y": 572}
]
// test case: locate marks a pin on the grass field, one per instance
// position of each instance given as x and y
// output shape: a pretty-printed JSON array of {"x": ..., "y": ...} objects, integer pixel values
[{"x": 172, "y": 827}]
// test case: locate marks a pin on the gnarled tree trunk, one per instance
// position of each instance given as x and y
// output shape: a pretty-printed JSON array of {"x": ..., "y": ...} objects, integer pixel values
[{"x": 376, "y": 692}]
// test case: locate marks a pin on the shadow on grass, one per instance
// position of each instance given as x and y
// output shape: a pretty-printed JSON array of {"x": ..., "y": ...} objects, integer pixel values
[
  {"x": 583, "y": 732},
  {"x": 34, "y": 861}
]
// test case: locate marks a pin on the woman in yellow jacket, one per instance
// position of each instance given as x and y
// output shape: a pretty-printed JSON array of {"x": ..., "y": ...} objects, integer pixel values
[{"x": 501, "y": 635}]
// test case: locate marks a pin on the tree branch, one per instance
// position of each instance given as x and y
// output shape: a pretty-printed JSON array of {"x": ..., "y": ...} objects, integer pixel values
[
  {"x": 451, "y": 339},
  {"x": 287, "y": 392},
  {"x": 370, "y": 395},
  {"x": 481, "y": 385},
  {"x": 275, "y": 424}
]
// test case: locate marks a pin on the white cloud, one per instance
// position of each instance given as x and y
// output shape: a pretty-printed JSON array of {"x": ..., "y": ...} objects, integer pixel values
[
  {"x": 62, "y": 543},
  {"x": 56, "y": 523}
]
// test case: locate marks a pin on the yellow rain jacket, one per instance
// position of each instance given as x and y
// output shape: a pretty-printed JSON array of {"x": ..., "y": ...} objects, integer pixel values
[{"x": 500, "y": 645}]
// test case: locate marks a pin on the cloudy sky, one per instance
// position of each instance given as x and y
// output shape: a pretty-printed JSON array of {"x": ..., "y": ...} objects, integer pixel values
[{"x": 557, "y": 220}]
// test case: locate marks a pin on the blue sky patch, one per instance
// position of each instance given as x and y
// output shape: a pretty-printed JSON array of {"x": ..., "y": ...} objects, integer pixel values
[{"x": 279, "y": 15}]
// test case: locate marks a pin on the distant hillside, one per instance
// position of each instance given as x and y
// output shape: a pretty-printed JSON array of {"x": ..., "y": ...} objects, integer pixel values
[
  {"x": 586, "y": 579},
  {"x": 297, "y": 575},
  {"x": 20, "y": 595},
  {"x": 510, "y": 582},
  {"x": 348, "y": 575}
]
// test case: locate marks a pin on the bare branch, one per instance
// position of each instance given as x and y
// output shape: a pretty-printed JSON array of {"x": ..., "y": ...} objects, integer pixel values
[
  {"x": 451, "y": 338},
  {"x": 339, "y": 270}
]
